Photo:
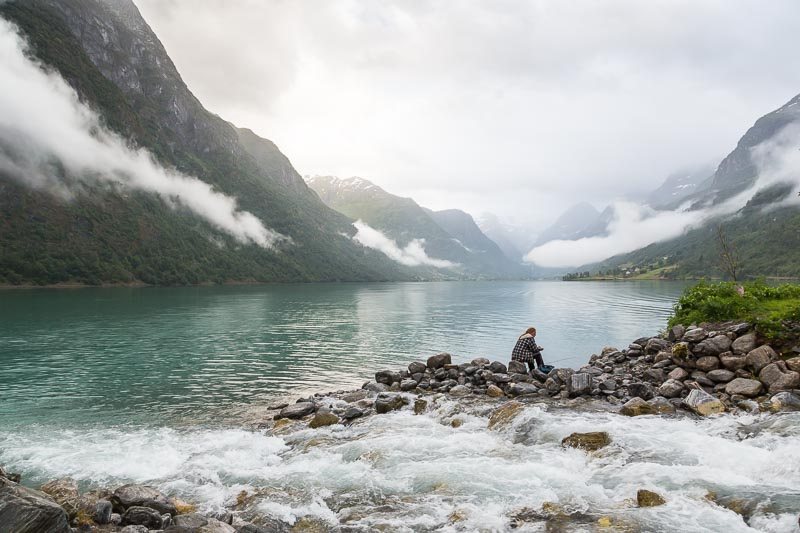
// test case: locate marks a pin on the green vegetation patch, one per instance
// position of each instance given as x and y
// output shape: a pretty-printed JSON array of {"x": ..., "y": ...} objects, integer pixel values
[{"x": 766, "y": 306}]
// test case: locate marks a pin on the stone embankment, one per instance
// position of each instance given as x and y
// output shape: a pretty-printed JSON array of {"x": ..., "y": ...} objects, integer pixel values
[{"x": 699, "y": 370}]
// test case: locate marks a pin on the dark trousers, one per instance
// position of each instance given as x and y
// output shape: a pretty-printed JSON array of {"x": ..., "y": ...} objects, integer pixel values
[{"x": 539, "y": 362}]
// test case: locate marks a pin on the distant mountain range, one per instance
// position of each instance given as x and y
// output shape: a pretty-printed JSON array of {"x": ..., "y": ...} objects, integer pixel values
[{"x": 450, "y": 235}]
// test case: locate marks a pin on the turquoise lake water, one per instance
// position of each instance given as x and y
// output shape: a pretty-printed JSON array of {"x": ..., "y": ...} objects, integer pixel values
[{"x": 181, "y": 355}]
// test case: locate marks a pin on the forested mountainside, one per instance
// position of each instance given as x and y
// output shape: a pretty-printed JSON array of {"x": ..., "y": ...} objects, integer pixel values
[{"x": 106, "y": 234}]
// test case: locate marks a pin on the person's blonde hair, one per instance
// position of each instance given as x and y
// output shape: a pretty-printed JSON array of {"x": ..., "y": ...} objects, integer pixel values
[{"x": 530, "y": 331}]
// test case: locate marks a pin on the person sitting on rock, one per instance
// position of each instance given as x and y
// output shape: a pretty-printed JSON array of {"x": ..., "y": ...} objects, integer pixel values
[{"x": 527, "y": 351}]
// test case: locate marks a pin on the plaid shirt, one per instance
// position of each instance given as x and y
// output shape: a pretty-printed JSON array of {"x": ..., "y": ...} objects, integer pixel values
[{"x": 525, "y": 349}]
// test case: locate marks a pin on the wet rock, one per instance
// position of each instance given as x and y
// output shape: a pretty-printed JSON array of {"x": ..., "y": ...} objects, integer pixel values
[
  {"x": 520, "y": 389},
  {"x": 654, "y": 375},
  {"x": 644, "y": 391},
  {"x": 417, "y": 367},
  {"x": 760, "y": 357},
  {"x": 387, "y": 377},
  {"x": 102, "y": 512},
  {"x": 323, "y": 419},
  {"x": 744, "y": 387},
  {"x": 385, "y": 404},
  {"x": 141, "y": 496},
  {"x": 744, "y": 344},
  {"x": 504, "y": 414},
  {"x": 609, "y": 385},
  {"x": 375, "y": 387},
  {"x": 720, "y": 375},
  {"x": 707, "y": 363},
  {"x": 671, "y": 388},
  {"x": 784, "y": 401},
  {"x": 703, "y": 403},
  {"x": 24, "y": 510},
  {"x": 310, "y": 524},
  {"x": 494, "y": 391},
  {"x": 135, "y": 529},
  {"x": 295, "y": 411},
  {"x": 579, "y": 384},
  {"x": 65, "y": 493},
  {"x": 656, "y": 345},
  {"x": 636, "y": 407},
  {"x": 647, "y": 498},
  {"x": 661, "y": 406},
  {"x": 777, "y": 379},
  {"x": 460, "y": 391},
  {"x": 681, "y": 352},
  {"x": 480, "y": 362},
  {"x": 439, "y": 360},
  {"x": 678, "y": 374},
  {"x": 271, "y": 526},
  {"x": 190, "y": 521},
  {"x": 538, "y": 375},
  {"x": 517, "y": 367},
  {"x": 713, "y": 346},
  {"x": 498, "y": 368},
  {"x": 142, "y": 516},
  {"x": 591, "y": 442},
  {"x": 420, "y": 406},
  {"x": 408, "y": 384},
  {"x": 352, "y": 413}
]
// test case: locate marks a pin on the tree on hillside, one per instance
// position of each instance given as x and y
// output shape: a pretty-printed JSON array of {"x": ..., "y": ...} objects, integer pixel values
[{"x": 728, "y": 255}]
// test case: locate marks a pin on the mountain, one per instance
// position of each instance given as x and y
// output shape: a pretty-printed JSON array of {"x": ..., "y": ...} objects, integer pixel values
[
  {"x": 450, "y": 235},
  {"x": 505, "y": 236},
  {"x": 680, "y": 185},
  {"x": 103, "y": 234},
  {"x": 579, "y": 221}
]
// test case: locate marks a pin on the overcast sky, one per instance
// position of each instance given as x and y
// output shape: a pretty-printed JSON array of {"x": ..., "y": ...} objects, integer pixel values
[{"x": 516, "y": 107}]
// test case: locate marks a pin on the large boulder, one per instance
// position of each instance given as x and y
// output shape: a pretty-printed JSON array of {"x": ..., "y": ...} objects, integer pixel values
[
  {"x": 460, "y": 391},
  {"x": 65, "y": 493},
  {"x": 707, "y": 363},
  {"x": 387, "y": 377},
  {"x": 505, "y": 414},
  {"x": 713, "y": 346},
  {"x": 417, "y": 367},
  {"x": 694, "y": 335},
  {"x": 635, "y": 407},
  {"x": 676, "y": 333},
  {"x": 142, "y": 516},
  {"x": 733, "y": 362},
  {"x": 494, "y": 391},
  {"x": 579, "y": 384},
  {"x": 644, "y": 391},
  {"x": 784, "y": 401},
  {"x": 296, "y": 410},
  {"x": 703, "y": 403},
  {"x": 777, "y": 379},
  {"x": 387, "y": 403},
  {"x": 590, "y": 442},
  {"x": 23, "y": 510},
  {"x": 720, "y": 375},
  {"x": 656, "y": 345},
  {"x": 498, "y": 368},
  {"x": 141, "y": 496},
  {"x": 678, "y": 374},
  {"x": 322, "y": 420},
  {"x": 760, "y": 357},
  {"x": 793, "y": 364},
  {"x": 439, "y": 360},
  {"x": 648, "y": 498},
  {"x": 744, "y": 344},
  {"x": 520, "y": 389},
  {"x": 671, "y": 388},
  {"x": 517, "y": 367},
  {"x": 744, "y": 387}
]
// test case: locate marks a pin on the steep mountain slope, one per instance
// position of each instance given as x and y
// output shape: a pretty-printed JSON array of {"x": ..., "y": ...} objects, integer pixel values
[
  {"x": 578, "y": 221},
  {"x": 109, "y": 55},
  {"x": 451, "y": 235},
  {"x": 504, "y": 236},
  {"x": 680, "y": 185}
]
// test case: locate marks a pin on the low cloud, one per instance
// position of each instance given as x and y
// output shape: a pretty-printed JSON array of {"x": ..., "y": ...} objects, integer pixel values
[
  {"x": 50, "y": 140},
  {"x": 635, "y": 226},
  {"x": 413, "y": 254}
]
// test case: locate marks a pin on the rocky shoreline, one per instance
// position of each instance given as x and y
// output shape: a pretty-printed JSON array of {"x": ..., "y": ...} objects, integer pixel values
[{"x": 689, "y": 371}]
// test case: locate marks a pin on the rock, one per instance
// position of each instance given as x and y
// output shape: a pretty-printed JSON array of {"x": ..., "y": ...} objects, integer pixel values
[
  {"x": 417, "y": 367},
  {"x": 694, "y": 335},
  {"x": 520, "y": 389},
  {"x": 272, "y": 526},
  {"x": 65, "y": 493},
  {"x": 115, "y": 519},
  {"x": 703, "y": 403},
  {"x": 141, "y": 496},
  {"x": 654, "y": 375},
  {"x": 676, "y": 333},
  {"x": 656, "y": 345},
  {"x": 375, "y": 387},
  {"x": 590, "y": 442},
  {"x": 646, "y": 498},
  {"x": 142, "y": 516},
  {"x": 498, "y": 368},
  {"x": 720, "y": 375},
  {"x": 713, "y": 346},
  {"x": 784, "y": 401},
  {"x": 134, "y": 529},
  {"x": 538, "y": 375},
  {"x": 387, "y": 377},
  {"x": 681, "y": 352},
  {"x": 190, "y": 521},
  {"x": 352, "y": 413},
  {"x": 661, "y": 406},
  {"x": 579, "y": 384},
  {"x": 420, "y": 406},
  {"x": 609, "y": 385},
  {"x": 636, "y": 407},
  {"x": 102, "y": 512},
  {"x": 744, "y": 344},
  {"x": 408, "y": 384},
  {"x": 744, "y": 387},
  {"x": 707, "y": 363},
  {"x": 385, "y": 404},
  {"x": 480, "y": 362},
  {"x": 793, "y": 364},
  {"x": 517, "y": 367},
  {"x": 760, "y": 357},
  {"x": 439, "y": 360},
  {"x": 494, "y": 391},
  {"x": 644, "y": 391},
  {"x": 733, "y": 362},
  {"x": 460, "y": 390},
  {"x": 24, "y": 510},
  {"x": 678, "y": 374},
  {"x": 776, "y": 379},
  {"x": 671, "y": 388},
  {"x": 296, "y": 410},
  {"x": 504, "y": 414},
  {"x": 323, "y": 419}
]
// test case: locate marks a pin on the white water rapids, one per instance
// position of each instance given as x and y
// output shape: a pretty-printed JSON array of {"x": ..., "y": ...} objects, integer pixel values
[{"x": 406, "y": 472}]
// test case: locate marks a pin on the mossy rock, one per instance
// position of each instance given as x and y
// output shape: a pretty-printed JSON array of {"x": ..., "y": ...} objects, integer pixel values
[
  {"x": 648, "y": 498},
  {"x": 309, "y": 524},
  {"x": 420, "y": 406},
  {"x": 590, "y": 442},
  {"x": 503, "y": 415},
  {"x": 323, "y": 419},
  {"x": 456, "y": 423}
]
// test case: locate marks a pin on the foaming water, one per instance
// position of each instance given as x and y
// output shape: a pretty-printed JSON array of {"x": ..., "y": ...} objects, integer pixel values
[
  {"x": 179, "y": 356},
  {"x": 418, "y": 473}
]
